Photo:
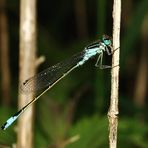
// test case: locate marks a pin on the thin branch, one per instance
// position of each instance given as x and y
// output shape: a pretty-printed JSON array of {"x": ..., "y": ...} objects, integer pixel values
[
  {"x": 113, "y": 111},
  {"x": 4, "y": 53},
  {"x": 27, "y": 67},
  {"x": 141, "y": 82}
]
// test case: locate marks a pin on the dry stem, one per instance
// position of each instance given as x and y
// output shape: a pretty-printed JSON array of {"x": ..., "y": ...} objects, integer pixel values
[{"x": 113, "y": 111}]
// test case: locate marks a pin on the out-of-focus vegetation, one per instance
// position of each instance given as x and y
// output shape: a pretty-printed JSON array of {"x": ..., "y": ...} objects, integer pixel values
[{"x": 77, "y": 106}]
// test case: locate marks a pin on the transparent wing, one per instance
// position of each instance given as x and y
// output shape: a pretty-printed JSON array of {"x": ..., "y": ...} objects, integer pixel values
[{"x": 48, "y": 76}]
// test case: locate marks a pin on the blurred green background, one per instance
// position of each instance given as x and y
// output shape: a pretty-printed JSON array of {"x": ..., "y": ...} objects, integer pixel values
[{"x": 78, "y": 105}]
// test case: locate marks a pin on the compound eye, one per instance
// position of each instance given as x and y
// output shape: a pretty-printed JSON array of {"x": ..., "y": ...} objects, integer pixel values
[{"x": 106, "y": 40}]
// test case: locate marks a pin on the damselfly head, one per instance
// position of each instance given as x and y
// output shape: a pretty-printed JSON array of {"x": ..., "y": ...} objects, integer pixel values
[{"x": 107, "y": 40}]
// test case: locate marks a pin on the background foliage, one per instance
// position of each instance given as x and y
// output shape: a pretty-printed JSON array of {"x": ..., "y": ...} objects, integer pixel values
[{"x": 77, "y": 106}]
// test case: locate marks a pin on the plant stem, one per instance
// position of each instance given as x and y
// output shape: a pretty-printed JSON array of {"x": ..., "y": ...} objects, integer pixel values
[
  {"x": 27, "y": 65},
  {"x": 113, "y": 110}
]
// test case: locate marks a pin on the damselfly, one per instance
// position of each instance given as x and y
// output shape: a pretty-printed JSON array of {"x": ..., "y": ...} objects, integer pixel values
[{"x": 53, "y": 74}]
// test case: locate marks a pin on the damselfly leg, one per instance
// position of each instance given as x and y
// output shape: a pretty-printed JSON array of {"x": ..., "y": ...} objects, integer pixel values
[
  {"x": 99, "y": 62},
  {"x": 100, "y": 58}
]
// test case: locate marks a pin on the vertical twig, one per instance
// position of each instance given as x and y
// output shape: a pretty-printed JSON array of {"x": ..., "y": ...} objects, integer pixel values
[
  {"x": 113, "y": 111},
  {"x": 27, "y": 69},
  {"x": 4, "y": 46},
  {"x": 141, "y": 82}
]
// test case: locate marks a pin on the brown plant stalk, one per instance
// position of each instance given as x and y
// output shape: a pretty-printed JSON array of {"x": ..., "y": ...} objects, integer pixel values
[{"x": 113, "y": 110}]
